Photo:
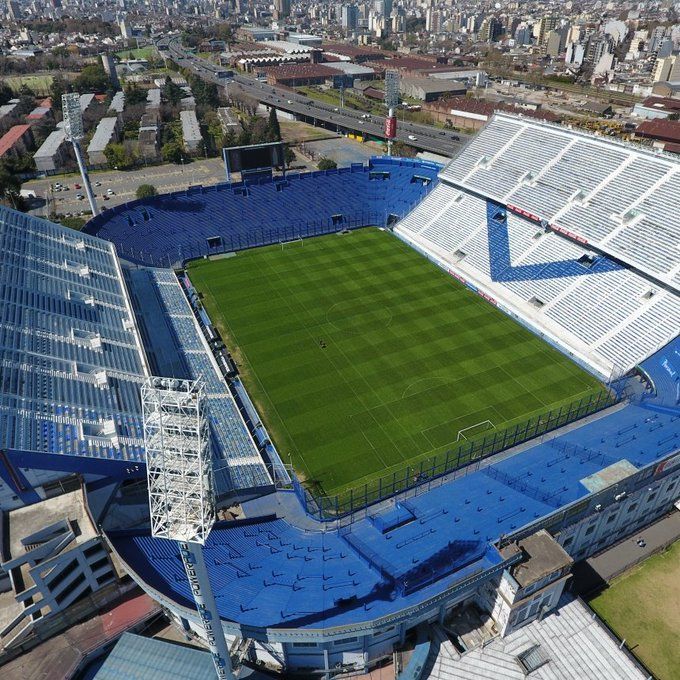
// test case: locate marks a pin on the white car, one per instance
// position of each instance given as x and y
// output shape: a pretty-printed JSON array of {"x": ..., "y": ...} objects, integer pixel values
[
  {"x": 289, "y": 101},
  {"x": 413, "y": 138},
  {"x": 110, "y": 192}
]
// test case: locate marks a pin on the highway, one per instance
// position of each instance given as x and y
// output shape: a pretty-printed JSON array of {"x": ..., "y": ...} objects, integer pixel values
[{"x": 422, "y": 137}]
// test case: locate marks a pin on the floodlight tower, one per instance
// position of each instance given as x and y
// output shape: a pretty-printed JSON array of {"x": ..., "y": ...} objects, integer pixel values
[
  {"x": 73, "y": 127},
  {"x": 181, "y": 499},
  {"x": 391, "y": 101}
]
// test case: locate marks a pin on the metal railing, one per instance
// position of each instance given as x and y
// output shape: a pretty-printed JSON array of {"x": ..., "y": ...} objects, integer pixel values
[{"x": 423, "y": 474}]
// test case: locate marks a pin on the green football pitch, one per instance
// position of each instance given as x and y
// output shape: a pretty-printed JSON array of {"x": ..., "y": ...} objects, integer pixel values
[{"x": 362, "y": 357}]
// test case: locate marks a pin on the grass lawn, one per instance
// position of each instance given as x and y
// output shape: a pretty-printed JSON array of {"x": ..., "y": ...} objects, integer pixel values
[
  {"x": 294, "y": 132},
  {"x": 643, "y": 606},
  {"x": 362, "y": 356},
  {"x": 148, "y": 52},
  {"x": 40, "y": 84}
]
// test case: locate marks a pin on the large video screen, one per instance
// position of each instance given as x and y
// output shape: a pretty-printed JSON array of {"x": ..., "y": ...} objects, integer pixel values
[{"x": 255, "y": 157}]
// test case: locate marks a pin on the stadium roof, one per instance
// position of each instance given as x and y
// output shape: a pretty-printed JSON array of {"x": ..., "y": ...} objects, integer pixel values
[
  {"x": 140, "y": 658},
  {"x": 570, "y": 644}
]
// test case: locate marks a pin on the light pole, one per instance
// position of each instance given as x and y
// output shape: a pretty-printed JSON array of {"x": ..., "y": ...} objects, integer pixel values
[{"x": 73, "y": 127}]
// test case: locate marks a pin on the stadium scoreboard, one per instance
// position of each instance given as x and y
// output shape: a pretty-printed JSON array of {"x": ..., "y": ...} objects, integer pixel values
[{"x": 254, "y": 159}]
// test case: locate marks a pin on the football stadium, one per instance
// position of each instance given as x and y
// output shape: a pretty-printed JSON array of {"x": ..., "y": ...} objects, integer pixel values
[{"x": 419, "y": 394}]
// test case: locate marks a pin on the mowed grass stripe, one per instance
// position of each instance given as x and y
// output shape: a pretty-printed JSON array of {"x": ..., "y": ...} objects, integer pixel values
[{"x": 362, "y": 356}]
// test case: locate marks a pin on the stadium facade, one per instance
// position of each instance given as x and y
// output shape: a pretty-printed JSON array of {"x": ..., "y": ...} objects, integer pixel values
[{"x": 573, "y": 236}]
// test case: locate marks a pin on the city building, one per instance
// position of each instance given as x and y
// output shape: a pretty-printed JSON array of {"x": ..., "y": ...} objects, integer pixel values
[
  {"x": 53, "y": 154},
  {"x": 191, "y": 131},
  {"x": 16, "y": 141},
  {"x": 108, "y": 130}
]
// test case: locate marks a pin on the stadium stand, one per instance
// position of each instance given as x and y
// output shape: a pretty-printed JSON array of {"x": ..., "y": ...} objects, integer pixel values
[
  {"x": 608, "y": 195},
  {"x": 241, "y": 215},
  {"x": 608, "y": 310},
  {"x": 73, "y": 359},
  {"x": 267, "y": 571},
  {"x": 80, "y": 332},
  {"x": 164, "y": 304}
]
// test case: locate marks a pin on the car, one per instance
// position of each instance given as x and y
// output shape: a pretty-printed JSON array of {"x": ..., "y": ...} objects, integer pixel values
[
  {"x": 289, "y": 101},
  {"x": 442, "y": 132},
  {"x": 336, "y": 109},
  {"x": 80, "y": 197},
  {"x": 365, "y": 115},
  {"x": 413, "y": 138},
  {"x": 110, "y": 192},
  {"x": 97, "y": 184},
  {"x": 106, "y": 198},
  {"x": 77, "y": 186},
  {"x": 456, "y": 138},
  {"x": 64, "y": 188}
]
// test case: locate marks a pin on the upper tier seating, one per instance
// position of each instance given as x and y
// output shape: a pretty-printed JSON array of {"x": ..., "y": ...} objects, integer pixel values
[{"x": 619, "y": 198}]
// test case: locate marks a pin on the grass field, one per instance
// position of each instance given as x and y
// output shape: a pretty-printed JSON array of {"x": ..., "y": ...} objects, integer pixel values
[
  {"x": 362, "y": 356},
  {"x": 643, "y": 606}
]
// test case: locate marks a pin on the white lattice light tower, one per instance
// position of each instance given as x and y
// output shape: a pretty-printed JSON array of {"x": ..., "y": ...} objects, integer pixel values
[
  {"x": 181, "y": 499},
  {"x": 75, "y": 131},
  {"x": 391, "y": 101}
]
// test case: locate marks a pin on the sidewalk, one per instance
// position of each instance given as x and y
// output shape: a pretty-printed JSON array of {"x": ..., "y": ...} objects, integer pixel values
[{"x": 596, "y": 572}]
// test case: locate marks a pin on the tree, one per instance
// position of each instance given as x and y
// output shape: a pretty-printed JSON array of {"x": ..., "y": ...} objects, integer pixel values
[
  {"x": 120, "y": 156},
  {"x": 172, "y": 93},
  {"x": 289, "y": 156},
  {"x": 6, "y": 93},
  {"x": 274, "y": 127},
  {"x": 57, "y": 88},
  {"x": 326, "y": 164},
  {"x": 93, "y": 78},
  {"x": 134, "y": 95},
  {"x": 172, "y": 151},
  {"x": 146, "y": 191},
  {"x": 9, "y": 182}
]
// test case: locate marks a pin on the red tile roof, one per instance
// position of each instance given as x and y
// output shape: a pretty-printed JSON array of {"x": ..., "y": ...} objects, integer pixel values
[
  {"x": 13, "y": 135},
  {"x": 665, "y": 130},
  {"x": 662, "y": 103}
]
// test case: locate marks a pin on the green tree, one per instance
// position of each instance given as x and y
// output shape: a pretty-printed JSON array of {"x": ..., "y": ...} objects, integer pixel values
[
  {"x": 92, "y": 78},
  {"x": 274, "y": 127},
  {"x": 10, "y": 185},
  {"x": 172, "y": 151},
  {"x": 289, "y": 156},
  {"x": 57, "y": 88},
  {"x": 134, "y": 95},
  {"x": 146, "y": 191},
  {"x": 6, "y": 93},
  {"x": 120, "y": 156},
  {"x": 326, "y": 164},
  {"x": 172, "y": 93}
]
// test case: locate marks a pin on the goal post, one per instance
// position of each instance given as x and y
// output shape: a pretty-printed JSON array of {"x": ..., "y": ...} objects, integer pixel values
[{"x": 478, "y": 428}]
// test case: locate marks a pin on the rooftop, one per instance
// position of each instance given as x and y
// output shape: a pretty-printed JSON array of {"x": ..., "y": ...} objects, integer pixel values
[
  {"x": 571, "y": 643},
  {"x": 11, "y": 137},
  {"x": 667, "y": 130},
  {"x": 545, "y": 556},
  {"x": 102, "y": 135},
  {"x": 51, "y": 145}
]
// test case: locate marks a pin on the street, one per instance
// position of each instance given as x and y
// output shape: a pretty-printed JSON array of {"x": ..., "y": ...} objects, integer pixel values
[{"x": 424, "y": 137}]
